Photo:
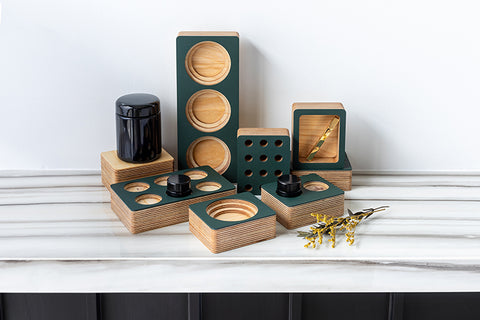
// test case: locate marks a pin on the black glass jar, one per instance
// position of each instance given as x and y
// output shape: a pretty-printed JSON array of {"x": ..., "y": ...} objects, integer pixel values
[{"x": 139, "y": 131}]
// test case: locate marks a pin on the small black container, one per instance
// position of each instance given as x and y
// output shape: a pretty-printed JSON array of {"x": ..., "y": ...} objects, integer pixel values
[
  {"x": 139, "y": 129},
  {"x": 179, "y": 185},
  {"x": 289, "y": 185}
]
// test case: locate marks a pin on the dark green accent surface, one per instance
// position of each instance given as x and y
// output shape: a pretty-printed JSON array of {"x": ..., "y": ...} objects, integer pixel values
[
  {"x": 129, "y": 197},
  {"x": 256, "y": 165},
  {"x": 307, "y": 195},
  {"x": 200, "y": 209},
  {"x": 229, "y": 87},
  {"x": 297, "y": 165}
]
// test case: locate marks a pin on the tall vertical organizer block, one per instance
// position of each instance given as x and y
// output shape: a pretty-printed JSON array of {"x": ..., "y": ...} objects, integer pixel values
[
  {"x": 207, "y": 100},
  {"x": 310, "y": 122},
  {"x": 263, "y": 155}
]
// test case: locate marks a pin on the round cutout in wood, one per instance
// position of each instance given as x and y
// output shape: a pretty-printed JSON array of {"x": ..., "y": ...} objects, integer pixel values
[
  {"x": 209, "y": 151},
  {"x": 208, "y": 110},
  {"x": 232, "y": 210},
  {"x": 147, "y": 199},
  {"x": 315, "y": 186},
  {"x": 136, "y": 187},
  {"x": 196, "y": 174},
  {"x": 162, "y": 181},
  {"x": 208, "y": 63},
  {"x": 208, "y": 186}
]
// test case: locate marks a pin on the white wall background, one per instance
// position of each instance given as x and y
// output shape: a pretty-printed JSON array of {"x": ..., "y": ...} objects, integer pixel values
[{"x": 408, "y": 73}]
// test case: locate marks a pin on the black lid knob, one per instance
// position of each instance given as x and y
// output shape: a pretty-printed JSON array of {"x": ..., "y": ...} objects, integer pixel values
[
  {"x": 178, "y": 185},
  {"x": 137, "y": 105},
  {"x": 289, "y": 185}
]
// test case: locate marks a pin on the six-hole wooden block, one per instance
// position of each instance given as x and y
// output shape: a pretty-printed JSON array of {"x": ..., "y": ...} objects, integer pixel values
[
  {"x": 115, "y": 170},
  {"x": 263, "y": 155},
  {"x": 232, "y": 222},
  {"x": 317, "y": 196},
  {"x": 207, "y": 100},
  {"x": 143, "y": 204},
  {"x": 310, "y": 121}
]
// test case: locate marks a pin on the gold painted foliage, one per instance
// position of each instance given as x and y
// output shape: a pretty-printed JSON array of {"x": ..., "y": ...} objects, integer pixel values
[{"x": 329, "y": 226}]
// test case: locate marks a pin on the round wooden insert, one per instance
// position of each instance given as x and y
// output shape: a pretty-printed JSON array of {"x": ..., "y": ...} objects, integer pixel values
[
  {"x": 209, "y": 151},
  {"x": 208, "y": 186},
  {"x": 162, "y": 181},
  {"x": 232, "y": 210},
  {"x": 315, "y": 186},
  {"x": 208, "y": 110},
  {"x": 147, "y": 199},
  {"x": 208, "y": 63},
  {"x": 196, "y": 174},
  {"x": 136, "y": 187}
]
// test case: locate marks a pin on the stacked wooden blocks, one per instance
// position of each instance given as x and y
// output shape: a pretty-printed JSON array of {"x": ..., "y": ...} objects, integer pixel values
[
  {"x": 317, "y": 196},
  {"x": 231, "y": 222},
  {"x": 207, "y": 100},
  {"x": 263, "y": 155},
  {"x": 115, "y": 170},
  {"x": 143, "y": 204},
  {"x": 318, "y": 142}
]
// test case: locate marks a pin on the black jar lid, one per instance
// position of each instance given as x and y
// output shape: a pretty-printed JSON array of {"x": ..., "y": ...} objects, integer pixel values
[
  {"x": 178, "y": 185},
  {"x": 289, "y": 185},
  {"x": 137, "y": 105}
]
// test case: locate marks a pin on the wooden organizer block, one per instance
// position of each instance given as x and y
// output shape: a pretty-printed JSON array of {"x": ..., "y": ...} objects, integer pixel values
[
  {"x": 207, "y": 100},
  {"x": 318, "y": 196},
  {"x": 115, "y": 170},
  {"x": 142, "y": 204},
  {"x": 232, "y": 222},
  {"x": 341, "y": 178},
  {"x": 309, "y": 123},
  {"x": 263, "y": 154}
]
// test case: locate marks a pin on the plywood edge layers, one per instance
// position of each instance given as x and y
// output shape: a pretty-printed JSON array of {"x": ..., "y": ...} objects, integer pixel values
[{"x": 262, "y": 132}]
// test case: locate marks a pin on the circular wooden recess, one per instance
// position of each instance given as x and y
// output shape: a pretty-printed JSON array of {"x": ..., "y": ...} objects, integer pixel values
[
  {"x": 196, "y": 174},
  {"x": 207, "y": 63},
  {"x": 147, "y": 199},
  {"x": 209, "y": 151},
  {"x": 208, "y": 186},
  {"x": 278, "y": 173},
  {"x": 278, "y": 143},
  {"x": 232, "y": 210},
  {"x": 208, "y": 110},
  {"x": 315, "y": 186},
  {"x": 162, "y": 181},
  {"x": 136, "y": 187}
]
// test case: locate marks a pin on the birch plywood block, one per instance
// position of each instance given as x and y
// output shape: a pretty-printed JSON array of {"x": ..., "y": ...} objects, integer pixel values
[
  {"x": 115, "y": 170},
  {"x": 318, "y": 141},
  {"x": 207, "y": 100},
  {"x": 263, "y": 155},
  {"x": 342, "y": 178},
  {"x": 232, "y": 222},
  {"x": 157, "y": 201},
  {"x": 313, "y": 195}
]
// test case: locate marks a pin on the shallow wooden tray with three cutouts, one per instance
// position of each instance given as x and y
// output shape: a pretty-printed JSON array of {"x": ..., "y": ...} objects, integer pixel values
[{"x": 143, "y": 204}]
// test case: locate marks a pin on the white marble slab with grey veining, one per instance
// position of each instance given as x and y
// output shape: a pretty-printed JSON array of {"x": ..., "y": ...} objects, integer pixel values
[{"x": 58, "y": 233}]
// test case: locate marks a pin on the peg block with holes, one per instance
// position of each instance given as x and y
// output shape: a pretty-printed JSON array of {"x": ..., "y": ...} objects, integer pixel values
[
  {"x": 207, "y": 100},
  {"x": 318, "y": 138},
  {"x": 145, "y": 204},
  {"x": 263, "y": 154},
  {"x": 317, "y": 196},
  {"x": 232, "y": 222},
  {"x": 115, "y": 170},
  {"x": 341, "y": 178}
]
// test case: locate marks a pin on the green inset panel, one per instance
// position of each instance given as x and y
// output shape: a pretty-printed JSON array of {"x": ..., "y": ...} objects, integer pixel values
[
  {"x": 202, "y": 177},
  {"x": 261, "y": 159},
  {"x": 207, "y": 101},
  {"x": 307, "y": 195},
  {"x": 200, "y": 209}
]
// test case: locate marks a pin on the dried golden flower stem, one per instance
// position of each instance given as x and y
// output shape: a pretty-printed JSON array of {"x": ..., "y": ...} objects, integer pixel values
[{"x": 329, "y": 225}]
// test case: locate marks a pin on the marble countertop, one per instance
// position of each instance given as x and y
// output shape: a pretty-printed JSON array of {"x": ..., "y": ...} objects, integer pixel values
[{"x": 58, "y": 234}]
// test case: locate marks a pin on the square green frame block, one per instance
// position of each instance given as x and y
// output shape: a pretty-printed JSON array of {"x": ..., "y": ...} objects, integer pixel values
[
  {"x": 208, "y": 100},
  {"x": 309, "y": 121}
]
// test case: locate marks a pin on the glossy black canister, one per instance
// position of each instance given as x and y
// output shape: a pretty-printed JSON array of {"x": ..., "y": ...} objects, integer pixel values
[{"x": 139, "y": 131}]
